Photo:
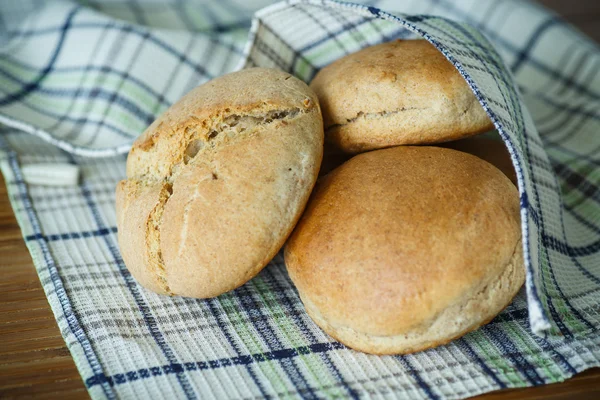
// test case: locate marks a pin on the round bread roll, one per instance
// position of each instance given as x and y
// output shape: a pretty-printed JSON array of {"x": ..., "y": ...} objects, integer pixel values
[
  {"x": 407, "y": 248},
  {"x": 491, "y": 150},
  {"x": 395, "y": 93},
  {"x": 216, "y": 184}
]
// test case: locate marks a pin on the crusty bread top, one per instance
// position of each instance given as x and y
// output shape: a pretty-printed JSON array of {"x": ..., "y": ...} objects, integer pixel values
[
  {"x": 217, "y": 183},
  {"x": 398, "y": 92},
  {"x": 256, "y": 94},
  {"x": 393, "y": 237}
]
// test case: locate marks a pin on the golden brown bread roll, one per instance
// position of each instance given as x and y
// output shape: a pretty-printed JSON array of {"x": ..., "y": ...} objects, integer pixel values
[
  {"x": 395, "y": 93},
  {"x": 407, "y": 248},
  {"x": 216, "y": 184}
]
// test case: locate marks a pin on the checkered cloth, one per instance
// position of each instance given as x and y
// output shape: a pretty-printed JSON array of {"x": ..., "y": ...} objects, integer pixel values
[{"x": 79, "y": 81}]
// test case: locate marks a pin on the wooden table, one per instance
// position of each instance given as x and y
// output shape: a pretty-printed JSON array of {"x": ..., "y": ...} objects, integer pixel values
[{"x": 34, "y": 361}]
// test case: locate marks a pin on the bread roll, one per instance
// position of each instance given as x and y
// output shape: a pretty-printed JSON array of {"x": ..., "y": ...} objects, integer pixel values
[
  {"x": 395, "y": 93},
  {"x": 216, "y": 184},
  {"x": 407, "y": 248}
]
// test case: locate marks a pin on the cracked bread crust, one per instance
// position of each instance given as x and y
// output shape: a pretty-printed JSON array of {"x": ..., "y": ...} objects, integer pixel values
[
  {"x": 216, "y": 184},
  {"x": 395, "y": 93},
  {"x": 407, "y": 248}
]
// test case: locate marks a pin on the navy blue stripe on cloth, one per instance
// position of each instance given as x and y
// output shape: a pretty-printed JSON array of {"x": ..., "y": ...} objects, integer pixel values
[
  {"x": 407, "y": 364},
  {"x": 523, "y": 55},
  {"x": 66, "y": 307},
  {"x": 35, "y": 84},
  {"x": 558, "y": 145},
  {"x": 134, "y": 289},
  {"x": 576, "y": 71},
  {"x": 76, "y": 129},
  {"x": 274, "y": 55},
  {"x": 71, "y": 235},
  {"x": 567, "y": 109},
  {"x": 556, "y": 355},
  {"x": 571, "y": 180},
  {"x": 557, "y": 132},
  {"x": 591, "y": 156},
  {"x": 224, "y": 327},
  {"x": 506, "y": 346},
  {"x": 468, "y": 350},
  {"x": 90, "y": 93},
  {"x": 578, "y": 181},
  {"x": 550, "y": 303},
  {"x": 94, "y": 68},
  {"x": 353, "y": 25},
  {"x": 113, "y": 97},
  {"x": 541, "y": 342},
  {"x": 539, "y": 221},
  {"x": 519, "y": 118},
  {"x": 555, "y": 314},
  {"x": 330, "y": 36},
  {"x": 102, "y": 122},
  {"x": 306, "y": 331},
  {"x": 276, "y": 58},
  {"x": 140, "y": 32},
  {"x": 247, "y": 360},
  {"x": 251, "y": 307},
  {"x": 176, "y": 71},
  {"x": 564, "y": 248},
  {"x": 583, "y": 221},
  {"x": 497, "y": 39}
]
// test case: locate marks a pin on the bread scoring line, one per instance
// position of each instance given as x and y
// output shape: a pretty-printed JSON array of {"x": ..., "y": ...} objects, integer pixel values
[
  {"x": 192, "y": 150},
  {"x": 372, "y": 115}
]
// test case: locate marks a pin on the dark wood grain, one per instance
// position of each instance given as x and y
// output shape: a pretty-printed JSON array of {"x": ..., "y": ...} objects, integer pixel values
[{"x": 34, "y": 361}]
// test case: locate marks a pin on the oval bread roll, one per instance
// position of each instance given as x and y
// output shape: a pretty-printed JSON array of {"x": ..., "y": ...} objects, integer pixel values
[
  {"x": 407, "y": 248},
  {"x": 395, "y": 93},
  {"x": 216, "y": 184}
]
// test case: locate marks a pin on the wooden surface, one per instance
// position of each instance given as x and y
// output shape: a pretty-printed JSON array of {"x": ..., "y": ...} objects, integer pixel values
[{"x": 34, "y": 361}]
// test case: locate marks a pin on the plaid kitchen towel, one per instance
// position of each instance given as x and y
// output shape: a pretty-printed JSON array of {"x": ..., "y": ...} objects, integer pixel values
[{"x": 79, "y": 81}]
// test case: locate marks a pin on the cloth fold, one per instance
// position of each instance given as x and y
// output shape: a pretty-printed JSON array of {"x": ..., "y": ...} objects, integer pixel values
[{"x": 78, "y": 82}]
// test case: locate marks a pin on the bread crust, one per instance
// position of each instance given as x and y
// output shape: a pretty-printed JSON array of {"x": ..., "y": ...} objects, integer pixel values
[
  {"x": 406, "y": 248},
  {"x": 216, "y": 184},
  {"x": 396, "y": 93},
  {"x": 457, "y": 320}
]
